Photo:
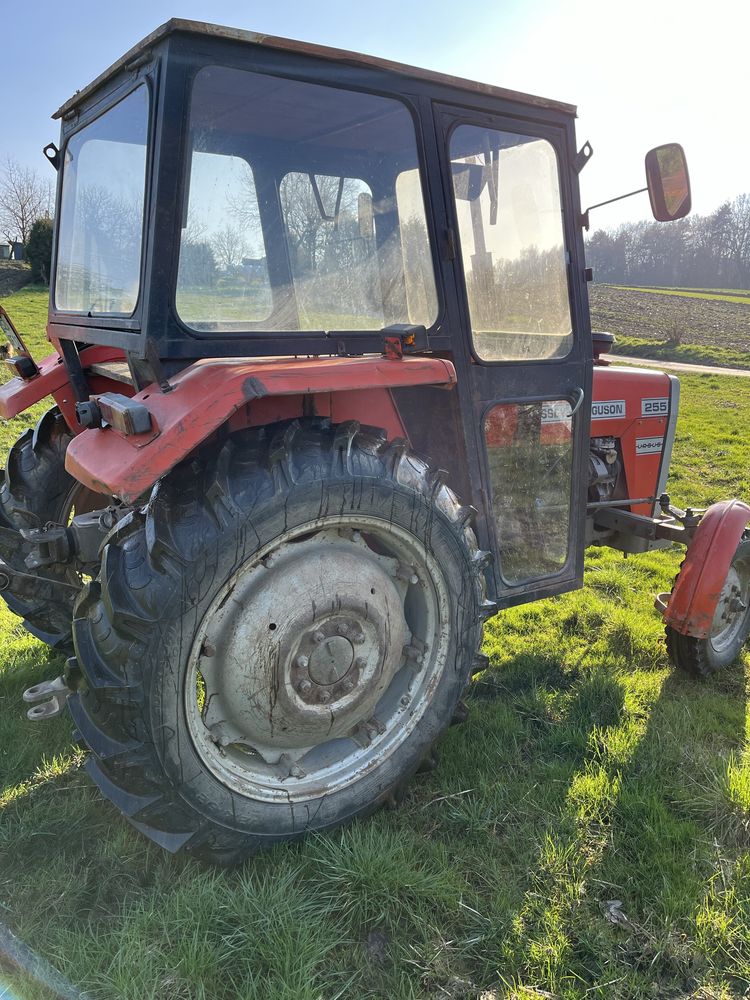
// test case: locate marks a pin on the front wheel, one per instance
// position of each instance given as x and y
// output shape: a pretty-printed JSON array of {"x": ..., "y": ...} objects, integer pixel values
[
  {"x": 275, "y": 646},
  {"x": 729, "y": 629}
]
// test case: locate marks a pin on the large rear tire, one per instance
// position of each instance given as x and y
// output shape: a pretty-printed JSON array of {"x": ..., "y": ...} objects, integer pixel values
[
  {"x": 730, "y": 628},
  {"x": 36, "y": 490},
  {"x": 277, "y": 641}
]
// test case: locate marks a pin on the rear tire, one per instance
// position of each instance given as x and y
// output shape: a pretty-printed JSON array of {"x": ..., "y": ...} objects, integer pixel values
[
  {"x": 731, "y": 626},
  {"x": 251, "y": 660},
  {"x": 36, "y": 490}
]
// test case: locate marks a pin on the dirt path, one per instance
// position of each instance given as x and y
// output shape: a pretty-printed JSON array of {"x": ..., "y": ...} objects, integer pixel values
[
  {"x": 679, "y": 366},
  {"x": 13, "y": 276}
]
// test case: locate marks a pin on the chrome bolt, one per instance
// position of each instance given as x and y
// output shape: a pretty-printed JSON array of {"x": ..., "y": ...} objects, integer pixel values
[
  {"x": 304, "y": 686},
  {"x": 302, "y": 661},
  {"x": 404, "y": 701},
  {"x": 318, "y": 637},
  {"x": 324, "y": 697}
]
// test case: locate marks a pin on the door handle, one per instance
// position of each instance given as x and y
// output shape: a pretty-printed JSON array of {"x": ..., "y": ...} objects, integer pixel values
[{"x": 579, "y": 393}]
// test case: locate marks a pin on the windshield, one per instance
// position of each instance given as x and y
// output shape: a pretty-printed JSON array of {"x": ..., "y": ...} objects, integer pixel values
[
  {"x": 305, "y": 209},
  {"x": 101, "y": 211}
]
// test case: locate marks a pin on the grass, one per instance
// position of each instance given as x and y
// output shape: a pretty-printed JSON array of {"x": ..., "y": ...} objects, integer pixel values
[
  {"x": 691, "y": 354},
  {"x": 587, "y": 772},
  {"x": 713, "y": 294}
]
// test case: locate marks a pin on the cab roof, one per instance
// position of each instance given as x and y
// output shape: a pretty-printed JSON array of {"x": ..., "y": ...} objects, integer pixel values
[{"x": 180, "y": 25}]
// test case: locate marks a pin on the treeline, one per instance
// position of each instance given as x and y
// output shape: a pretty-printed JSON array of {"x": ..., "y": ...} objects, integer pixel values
[{"x": 700, "y": 251}]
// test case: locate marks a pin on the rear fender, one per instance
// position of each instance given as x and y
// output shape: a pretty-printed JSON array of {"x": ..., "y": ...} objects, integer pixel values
[
  {"x": 19, "y": 394},
  {"x": 212, "y": 393},
  {"x": 692, "y": 604}
]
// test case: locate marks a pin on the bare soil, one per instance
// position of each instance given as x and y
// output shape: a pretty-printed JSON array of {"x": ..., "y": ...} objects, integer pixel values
[
  {"x": 665, "y": 317},
  {"x": 13, "y": 275}
]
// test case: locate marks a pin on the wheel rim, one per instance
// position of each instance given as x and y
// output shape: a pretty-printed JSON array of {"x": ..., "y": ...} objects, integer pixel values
[
  {"x": 729, "y": 626},
  {"x": 317, "y": 659}
]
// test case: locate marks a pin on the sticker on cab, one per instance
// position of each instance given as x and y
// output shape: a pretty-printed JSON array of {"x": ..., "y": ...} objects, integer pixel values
[
  {"x": 555, "y": 413},
  {"x": 607, "y": 409}
]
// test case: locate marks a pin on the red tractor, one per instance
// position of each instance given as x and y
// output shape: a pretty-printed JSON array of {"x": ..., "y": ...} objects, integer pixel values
[{"x": 282, "y": 273}]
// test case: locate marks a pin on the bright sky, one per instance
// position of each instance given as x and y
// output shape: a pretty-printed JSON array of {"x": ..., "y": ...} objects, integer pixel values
[{"x": 641, "y": 73}]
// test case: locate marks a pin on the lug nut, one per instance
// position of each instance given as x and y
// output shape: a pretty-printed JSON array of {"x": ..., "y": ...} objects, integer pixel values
[
  {"x": 342, "y": 629},
  {"x": 302, "y": 661},
  {"x": 324, "y": 697},
  {"x": 359, "y": 662},
  {"x": 358, "y": 639},
  {"x": 347, "y": 684},
  {"x": 304, "y": 686},
  {"x": 318, "y": 637}
]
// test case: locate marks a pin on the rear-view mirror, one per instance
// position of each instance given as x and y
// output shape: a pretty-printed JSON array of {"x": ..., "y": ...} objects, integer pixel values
[{"x": 668, "y": 182}]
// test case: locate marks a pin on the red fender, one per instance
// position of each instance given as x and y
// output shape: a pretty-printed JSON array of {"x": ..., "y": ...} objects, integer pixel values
[
  {"x": 692, "y": 604},
  {"x": 19, "y": 394},
  {"x": 205, "y": 395}
]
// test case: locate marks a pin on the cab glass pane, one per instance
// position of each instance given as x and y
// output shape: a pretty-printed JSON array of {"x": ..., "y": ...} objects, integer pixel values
[
  {"x": 325, "y": 214},
  {"x": 507, "y": 192},
  {"x": 101, "y": 211},
  {"x": 529, "y": 448}
]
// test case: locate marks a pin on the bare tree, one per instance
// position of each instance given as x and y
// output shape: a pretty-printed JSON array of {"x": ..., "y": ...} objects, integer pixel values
[
  {"x": 24, "y": 198},
  {"x": 229, "y": 247}
]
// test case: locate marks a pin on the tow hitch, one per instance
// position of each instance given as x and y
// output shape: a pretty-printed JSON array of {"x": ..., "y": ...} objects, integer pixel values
[{"x": 48, "y": 699}]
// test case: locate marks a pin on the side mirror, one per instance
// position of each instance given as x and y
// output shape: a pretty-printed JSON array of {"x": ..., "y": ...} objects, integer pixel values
[{"x": 668, "y": 182}]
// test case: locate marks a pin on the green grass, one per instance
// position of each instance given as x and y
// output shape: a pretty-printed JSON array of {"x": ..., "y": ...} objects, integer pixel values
[
  {"x": 587, "y": 772},
  {"x": 714, "y": 294},
  {"x": 691, "y": 354}
]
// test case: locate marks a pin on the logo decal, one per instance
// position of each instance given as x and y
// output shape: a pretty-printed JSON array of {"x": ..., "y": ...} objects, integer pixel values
[
  {"x": 607, "y": 409},
  {"x": 648, "y": 446},
  {"x": 555, "y": 413},
  {"x": 655, "y": 407}
]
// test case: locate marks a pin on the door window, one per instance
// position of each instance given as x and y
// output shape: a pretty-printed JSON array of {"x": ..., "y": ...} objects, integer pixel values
[
  {"x": 507, "y": 192},
  {"x": 530, "y": 454}
]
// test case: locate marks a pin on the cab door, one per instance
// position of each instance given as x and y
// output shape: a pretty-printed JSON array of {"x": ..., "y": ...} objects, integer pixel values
[{"x": 524, "y": 356}]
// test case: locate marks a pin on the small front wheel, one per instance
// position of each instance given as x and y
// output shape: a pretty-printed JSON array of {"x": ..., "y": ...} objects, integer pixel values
[
  {"x": 730, "y": 627},
  {"x": 275, "y": 646}
]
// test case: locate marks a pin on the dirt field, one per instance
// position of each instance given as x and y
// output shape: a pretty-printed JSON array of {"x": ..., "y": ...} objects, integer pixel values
[
  {"x": 13, "y": 275},
  {"x": 659, "y": 316}
]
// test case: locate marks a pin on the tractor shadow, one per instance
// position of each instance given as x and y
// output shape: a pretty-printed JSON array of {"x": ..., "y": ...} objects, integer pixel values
[{"x": 622, "y": 796}]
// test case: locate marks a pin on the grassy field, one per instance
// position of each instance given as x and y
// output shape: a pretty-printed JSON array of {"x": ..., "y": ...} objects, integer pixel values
[
  {"x": 696, "y": 326},
  {"x": 587, "y": 773}
]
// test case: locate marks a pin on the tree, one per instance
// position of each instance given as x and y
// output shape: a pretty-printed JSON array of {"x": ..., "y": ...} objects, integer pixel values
[
  {"x": 229, "y": 247},
  {"x": 39, "y": 249},
  {"x": 24, "y": 198}
]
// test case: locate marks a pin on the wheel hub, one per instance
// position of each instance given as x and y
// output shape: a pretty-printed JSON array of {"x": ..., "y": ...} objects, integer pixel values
[{"x": 292, "y": 655}]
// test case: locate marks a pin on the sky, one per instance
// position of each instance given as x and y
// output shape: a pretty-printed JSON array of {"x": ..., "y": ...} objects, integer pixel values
[{"x": 641, "y": 73}]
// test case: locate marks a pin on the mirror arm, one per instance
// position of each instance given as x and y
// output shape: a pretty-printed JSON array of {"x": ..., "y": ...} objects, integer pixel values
[{"x": 584, "y": 220}]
